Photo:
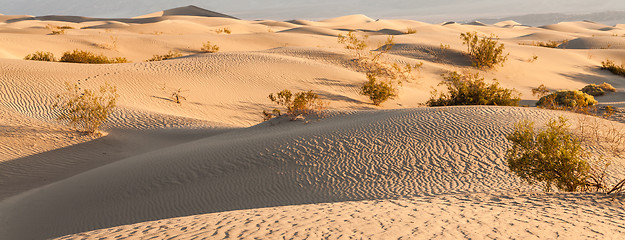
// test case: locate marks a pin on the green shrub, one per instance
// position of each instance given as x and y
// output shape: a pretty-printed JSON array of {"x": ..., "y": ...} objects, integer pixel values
[
  {"x": 296, "y": 105},
  {"x": 170, "y": 55},
  {"x": 207, "y": 47},
  {"x": 485, "y": 52},
  {"x": 593, "y": 90},
  {"x": 85, "y": 109},
  {"x": 471, "y": 89},
  {"x": 612, "y": 67},
  {"x": 553, "y": 156},
  {"x": 41, "y": 56},
  {"x": 383, "y": 77},
  {"x": 567, "y": 100},
  {"x": 78, "y": 56},
  {"x": 378, "y": 91}
]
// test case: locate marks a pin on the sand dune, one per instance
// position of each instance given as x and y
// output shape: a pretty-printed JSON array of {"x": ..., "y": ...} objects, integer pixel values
[{"x": 209, "y": 168}]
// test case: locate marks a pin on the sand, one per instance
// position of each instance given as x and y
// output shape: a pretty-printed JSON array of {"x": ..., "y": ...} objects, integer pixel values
[{"x": 208, "y": 168}]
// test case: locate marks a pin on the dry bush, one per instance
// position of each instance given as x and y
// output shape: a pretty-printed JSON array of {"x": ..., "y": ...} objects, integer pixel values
[
  {"x": 553, "y": 156},
  {"x": 207, "y": 47},
  {"x": 607, "y": 87},
  {"x": 169, "y": 55},
  {"x": 223, "y": 30},
  {"x": 41, "y": 56},
  {"x": 297, "y": 105},
  {"x": 598, "y": 90},
  {"x": 78, "y": 56},
  {"x": 111, "y": 44},
  {"x": 533, "y": 59},
  {"x": 486, "y": 52},
  {"x": 58, "y": 32},
  {"x": 549, "y": 44},
  {"x": 84, "y": 109},
  {"x": 383, "y": 76},
  {"x": 471, "y": 89},
  {"x": 575, "y": 101},
  {"x": 174, "y": 94},
  {"x": 540, "y": 91},
  {"x": 612, "y": 67},
  {"x": 66, "y": 27},
  {"x": 411, "y": 31}
]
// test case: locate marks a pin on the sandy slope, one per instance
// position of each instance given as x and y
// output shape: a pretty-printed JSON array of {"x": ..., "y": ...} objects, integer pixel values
[{"x": 160, "y": 160}]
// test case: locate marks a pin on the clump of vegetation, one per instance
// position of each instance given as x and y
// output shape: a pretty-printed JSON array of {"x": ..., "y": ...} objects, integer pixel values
[
  {"x": 84, "y": 109},
  {"x": 553, "y": 156},
  {"x": 567, "y": 100},
  {"x": 540, "y": 91},
  {"x": 111, "y": 44},
  {"x": 175, "y": 94},
  {"x": 471, "y": 89},
  {"x": 78, "y": 56},
  {"x": 549, "y": 44},
  {"x": 41, "y": 56},
  {"x": 612, "y": 67},
  {"x": 66, "y": 27},
  {"x": 223, "y": 30},
  {"x": 207, "y": 47},
  {"x": 533, "y": 59},
  {"x": 411, "y": 31},
  {"x": 58, "y": 32},
  {"x": 297, "y": 105},
  {"x": 486, "y": 52},
  {"x": 169, "y": 55},
  {"x": 598, "y": 90},
  {"x": 383, "y": 77}
]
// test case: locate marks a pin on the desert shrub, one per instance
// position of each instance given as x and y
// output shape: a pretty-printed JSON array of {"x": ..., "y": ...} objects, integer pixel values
[
  {"x": 58, "y": 32},
  {"x": 41, "y": 56},
  {"x": 78, "y": 56},
  {"x": 471, "y": 89},
  {"x": 110, "y": 44},
  {"x": 548, "y": 44},
  {"x": 567, "y": 100},
  {"x": 66, "y": 27},
  {"x": 85, "y": 109},
  {"x": 383, "y": 76},
  {"x": 169, "y": 55},
  {"x": 593, "y": 90},
  {"x": 612, "y": 67},
  {"x": 174, "y": 94},
  {"x": 411, "y": 31},
  {"x": 378, "y": 91},
  {"x": 607, "y": 87},
  {"x": 223, "y": 30},
  {"x": 207, "y": 47},
  {"x": 540, "y": 91},
  {"x": 486, "y": 52},
  {"x": 553, "y": 156},
  {"x": 296, "y": 105}
]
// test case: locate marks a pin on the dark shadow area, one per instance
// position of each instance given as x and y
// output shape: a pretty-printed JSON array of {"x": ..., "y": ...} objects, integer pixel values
[
  {"x": 23, "y": 174},
  {"x": 334, "y": 83}
]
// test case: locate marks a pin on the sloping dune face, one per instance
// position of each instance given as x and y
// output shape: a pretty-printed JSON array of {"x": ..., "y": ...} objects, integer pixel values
[
  {"x": 208, "y": 166},
  {"x": 359, "y": 156}
]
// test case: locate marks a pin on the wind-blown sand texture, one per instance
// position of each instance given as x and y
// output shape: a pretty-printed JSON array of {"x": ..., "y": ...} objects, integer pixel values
[{"x": 208, "y": 168}]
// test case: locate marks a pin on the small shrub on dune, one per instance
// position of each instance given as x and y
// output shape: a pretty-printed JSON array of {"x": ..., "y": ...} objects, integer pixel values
[
  {"x": 540, "y": 91},
  {"x": 383, "y": 76},
  {"x": 169, "y": 55},
  {"x": 300, "y": 104},
  {"x": 595, "y": 90},
  {"x": 209, "y": 48},
  {"x": 58, "y": 32},
  {"x": 485, "y": 51},
  {"x": 567, "y": 100},
  {"x": 612, "y": 67},
  {"x": 378, "y": 91},
  {"x": 85, "y": 109},
  {"x": 78, "y": 56},
  {"x": 553, "y": 156},
  {"x": 471, "y": 89},
  {"x": 41, "y": 56},
  {"x": 607, "y": 87}
]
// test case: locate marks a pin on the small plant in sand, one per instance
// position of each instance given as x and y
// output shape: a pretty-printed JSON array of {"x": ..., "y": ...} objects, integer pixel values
[
  {"x": 598, "y": 90},
  {"x": 209, "y": 48},
  {"x": 78, "y": 56},
  {"x": 411, "y": 31},
  {"x": 553, "y": 156},
  {"x": 549, "y": 44},
  {"x": 223, "y": 30},
  {"x": 383, "y": 76},
  {"x": 41, "y": 56},
  {"x": 85, "y": 109},
  {"x": 471, "y": 89},
  {"x": 169, "y": 55},
  {"x": 612, "y": 67},
  {"x": 58, "y": 32},
  {"x": 540, "y": 91},
  {"x": 175, "y": 94},
  {"x": 575, "y": 101},
  {"x": 297, "y": 105},
  {"x": 533, "y": 59},
  {"x": 485, "y": 51},
  {"x": 110, "y": 44}
]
